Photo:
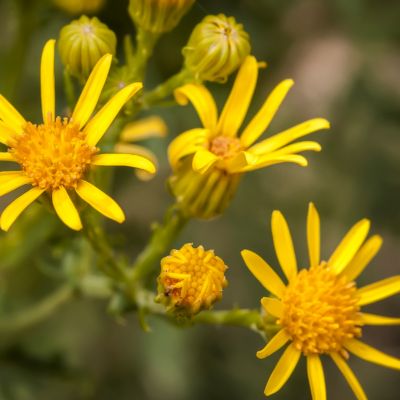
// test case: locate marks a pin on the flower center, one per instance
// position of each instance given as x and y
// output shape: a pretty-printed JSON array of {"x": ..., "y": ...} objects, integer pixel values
[
  {"x": 320, "y": 311},
  {"x": 225, "y": 146},
  {"x": 192, "y": 277},
  {"x": 54, "y": 154}
]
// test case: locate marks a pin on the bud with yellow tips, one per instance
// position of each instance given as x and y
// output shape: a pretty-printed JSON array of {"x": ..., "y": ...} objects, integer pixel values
[{"x": 191, "y": 280}]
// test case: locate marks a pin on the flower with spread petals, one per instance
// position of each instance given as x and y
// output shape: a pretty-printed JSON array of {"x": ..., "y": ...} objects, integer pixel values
[
  {"x": 146, "y": 128},
  {"x": 217, "y": 149},
  {"x": 191, "y": 280},
  {"x": 318, "y": 311},
  {"x": 55, "y": 156}
]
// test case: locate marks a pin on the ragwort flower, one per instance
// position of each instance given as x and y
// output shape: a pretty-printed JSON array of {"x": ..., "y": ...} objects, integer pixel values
[
  {"x": 318, "y": 311},
  {"x": 56, "y": 155},
  {"x": 217, "y": 146}
]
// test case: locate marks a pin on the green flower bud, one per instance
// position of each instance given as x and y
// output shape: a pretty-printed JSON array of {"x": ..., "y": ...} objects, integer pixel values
[
  {"x": 158, "y": 16},
  {"x": 83, "y": 42},
  {"x": 76, "y": 7},
  {"x": 202, "y": 196},
  {"x": 217, "y": 47}
]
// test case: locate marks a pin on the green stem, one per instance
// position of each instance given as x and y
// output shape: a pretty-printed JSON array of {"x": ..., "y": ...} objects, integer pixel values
[
  {"x": 37, "y": 313},
  {"x": 163, "y": 236},
  {"x": 109, "y": 264},
  {"x": 145, "y": 43},
  {"x": 166, "y": 88},
  {"x": 236, "y": 317},
  {"x": 69, "y": 89}
]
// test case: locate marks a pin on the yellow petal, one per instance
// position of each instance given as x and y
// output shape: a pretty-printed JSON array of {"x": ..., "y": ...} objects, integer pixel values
[
  {"x": 263, "y": 273},
  {"x": 203, "y": 160},
  {"x": 349, "y": 246},
  {"x": 187, "y": 143},
  {"x": 202, "y": 101},
  {"x": 65, "y": 209},
  {"x": 6, "y": 157},
  {"x": 379, "y": 290},
  {"x": 371, "y": 354},
  {"x": 283, "y": 245},
  {"x": 13, "y": 210},
  {"x": 372, "y": 319},
  {"x": 10, "y": 116},
  {"x": 47, "y": 83},
  {"x": 297, "y": 148},
  {"x": 12, "y": 182},
  {"x": 281, "y": 139},
  {"x": 92, "y": 90},
  {"x": 263, "y": 118},
  {"x": 313, "y": 235},
  {"x": 239, "y": 100},
  {"x": 124, "y": 160},
  {"x": 145, "y": 128},
  {"x": 98, "y": 125},
  {"x": 271, "y": 159},
  {"x": 6, "y": 133},
  {"x": 349, "y": 376},
  {"x": 272, "y": 306},
  {"x": 277, "y": 342},
  {"x": 100, "y": 201},
  {"x": 241, "y": 162},
  {"x": 283, "y": 370},
  {"x": 316, "y": 377},
  {"x": 363, "y": 257}
]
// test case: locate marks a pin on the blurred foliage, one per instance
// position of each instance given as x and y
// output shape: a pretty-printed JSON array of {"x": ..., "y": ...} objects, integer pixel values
[{"x": 344, "y": 57}]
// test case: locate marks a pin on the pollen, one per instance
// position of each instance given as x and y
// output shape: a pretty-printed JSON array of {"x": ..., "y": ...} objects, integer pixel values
[
  {"x": 54, "y": 154},
  {"x": 191, "y": 279},
  {"x": 225, "y": 147},
  {"x": 320, "y": 311}
]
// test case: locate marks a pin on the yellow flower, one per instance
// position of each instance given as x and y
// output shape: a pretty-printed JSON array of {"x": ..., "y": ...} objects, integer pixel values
[
  {"x": 217, "y": 144},
  {"x": 56, "y": 155},
  {"x": 146, "y": 128},
  {"x": 191, "y": 279},
  {"x": 318, "y": 311}
]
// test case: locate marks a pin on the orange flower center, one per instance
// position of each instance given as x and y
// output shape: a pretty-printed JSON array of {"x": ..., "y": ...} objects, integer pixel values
[
  {"x": 54, "y": 154},
  {"x": 192, "y": 278},
  {"x": 320, "y": 311},
  {"x": 225, "y": 146}
]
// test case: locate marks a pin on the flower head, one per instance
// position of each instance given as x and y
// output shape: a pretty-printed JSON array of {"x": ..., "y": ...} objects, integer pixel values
[
  {"x": 217, "y": 146},
  {"x": 217, "y": 47},
  {"x": 79, "y": 6},
  {"x": 55, "y": 156},
  {"x": 191, "y": 279},
  {"x": 318, "y": 311}
]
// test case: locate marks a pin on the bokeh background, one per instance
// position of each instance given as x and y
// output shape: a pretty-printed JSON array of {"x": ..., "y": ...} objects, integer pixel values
[{"x": 344, "y": 56}]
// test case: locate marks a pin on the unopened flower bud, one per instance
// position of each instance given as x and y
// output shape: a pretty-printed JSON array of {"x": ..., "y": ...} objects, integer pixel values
[
  {"x": 191, "y": 280},
  {"x": 76, "y": 7},
  {"x": 83, "y": 42},
  {"x": 158, "y": 16},
  {"x": 205, "y": 195},
  {"x": 216, "y": 48}
]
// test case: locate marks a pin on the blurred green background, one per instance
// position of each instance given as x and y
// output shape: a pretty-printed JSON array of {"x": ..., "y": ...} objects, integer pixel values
[{"x": 344, "y": 56}]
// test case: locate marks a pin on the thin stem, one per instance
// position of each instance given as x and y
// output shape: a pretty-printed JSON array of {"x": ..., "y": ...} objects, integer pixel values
[
  {"x": 236, "y": 317},
  {"x": 69, "y": 89},
  {"x": 37, "y": 313},
  {"x": 163, "y": 236}
]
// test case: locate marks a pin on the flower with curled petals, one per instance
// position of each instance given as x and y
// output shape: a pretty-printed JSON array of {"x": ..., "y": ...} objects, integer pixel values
[
  {"x": 55, "y": 156},
  {"x": 318, "y": 311},
  {"x": 218, "y": 152}
]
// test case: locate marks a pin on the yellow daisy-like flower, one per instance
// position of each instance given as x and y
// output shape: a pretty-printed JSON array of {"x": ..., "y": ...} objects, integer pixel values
[
  {"x": 318, "y": 311},
  {"x": 217, "y": 144},
  {"x": 56, "y": 155}
]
